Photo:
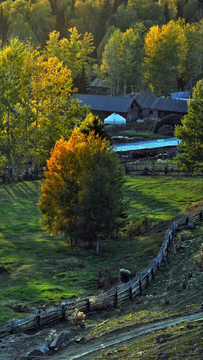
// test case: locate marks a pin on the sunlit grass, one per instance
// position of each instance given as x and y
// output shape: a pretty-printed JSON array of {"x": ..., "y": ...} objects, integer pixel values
[
  {"x": 180, "y": 343},
  {"x": 162, "y": 197},
  {"x": 45, "y": 269}
]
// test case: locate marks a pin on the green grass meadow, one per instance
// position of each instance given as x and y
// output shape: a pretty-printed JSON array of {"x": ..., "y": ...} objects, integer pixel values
[
  {"x": 41, "y": 269},
  {"x": 162, "y": 197}
]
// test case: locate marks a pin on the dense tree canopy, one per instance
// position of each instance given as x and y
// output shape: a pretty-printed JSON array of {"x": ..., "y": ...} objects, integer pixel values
[
  {"x": 73, "y": 29},
  {"x": 164, "y": 53},
  {"x": 121, "y": 63},
  {"x": 82, "y": 192},
  {"x": 35, "y": 107},
  {"x": 140, "y": 45},
  {"x": 73, "y": 52},
  {"x": 37, "y": 18},
  {"x": 191, "y": 133}
]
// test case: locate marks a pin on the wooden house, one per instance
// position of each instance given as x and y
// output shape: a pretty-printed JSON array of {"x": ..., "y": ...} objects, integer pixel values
[
  {"x": 97, "y": 87},
  {"x": 103, "y": 106},
  {"x": 160, "y": 107},
  {"x": 132, "y": 107}
]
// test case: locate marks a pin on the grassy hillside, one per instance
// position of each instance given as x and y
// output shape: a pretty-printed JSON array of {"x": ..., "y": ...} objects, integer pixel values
[
  {"x": 38, "y": 269},
  {"x": 176, "y": 290},
  {"x": 162, "y": 197}
]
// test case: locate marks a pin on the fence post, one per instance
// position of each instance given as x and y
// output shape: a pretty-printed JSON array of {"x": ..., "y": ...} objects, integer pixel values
[
  {"x": 167, "y": 251},
  {"x": 116, "y": 299},
  {"x": 131, "y": 294},
  {"x": 140, "y": 286},
  {"x": 11, "y": 328},
  {"x": 38, "y": 322},
  {"x": 200, "y": 215},
  {"x": 88, "y": 306},
  {"x": 147, "y": 280},
  {"x": 152, "y": 272},
  {"x": 63, "y": 312},
  {"x": 186, "y": 221},
  {"x": 39, "y": 312}
]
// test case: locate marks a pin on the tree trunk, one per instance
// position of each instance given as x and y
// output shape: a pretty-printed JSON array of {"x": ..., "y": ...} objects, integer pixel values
[
  {"x": 97, "y": 244},
  {"x": 13, "y": 173},
  {"x": 71, "y": 241},
  {"x": 9, "y": 174},
  {"x": 35, "y": 171}
]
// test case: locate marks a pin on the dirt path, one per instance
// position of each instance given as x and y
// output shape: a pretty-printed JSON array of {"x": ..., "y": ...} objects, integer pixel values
[{"x": 92, "y": 348}]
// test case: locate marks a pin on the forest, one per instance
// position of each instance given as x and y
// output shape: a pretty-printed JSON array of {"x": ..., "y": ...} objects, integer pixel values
[
  {"x": 136, "y": 44},
  {"x": 51, "y": 49}
]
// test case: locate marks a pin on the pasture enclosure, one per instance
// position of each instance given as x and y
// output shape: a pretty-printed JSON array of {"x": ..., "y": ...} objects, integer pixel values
[
  {"x": 115, "y": 297},
  {"x": 159, "y": 165}
]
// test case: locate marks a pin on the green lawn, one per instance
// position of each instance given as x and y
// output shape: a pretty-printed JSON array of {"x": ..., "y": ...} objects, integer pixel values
[
  {"x": 42, "y": 269},
  {"x": 162, "y": 197}
]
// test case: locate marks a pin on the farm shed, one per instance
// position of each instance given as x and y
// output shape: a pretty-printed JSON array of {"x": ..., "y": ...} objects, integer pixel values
[
  {"x": 182, "y": 95},
  {"x": 115, "y": 119},
  {"x": 98, "y": 87},
  {"x": 160, "y": 107},
  {"x": 103, "y": 106},
  {"x": 148, "y": 148}
]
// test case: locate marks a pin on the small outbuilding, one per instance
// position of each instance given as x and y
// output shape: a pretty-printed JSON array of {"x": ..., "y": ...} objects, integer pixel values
[{"x": 115, "y": 119}]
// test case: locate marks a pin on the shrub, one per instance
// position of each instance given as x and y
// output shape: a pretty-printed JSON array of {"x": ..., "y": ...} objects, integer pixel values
[
  {"x": 107, "y": 277},
  {"x": 125, "y": 275},
  {"x": 52, "y": 335},
  {"x": 199, "y": 259},
  {"x": 138, "y": 226},
  {"x": 78, "y": 318},
  {"x": 182, "y": 236},
  {"x": 2, "y": 269}
]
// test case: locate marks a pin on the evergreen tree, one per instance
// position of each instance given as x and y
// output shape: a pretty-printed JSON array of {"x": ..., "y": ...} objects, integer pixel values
[
  {"x": 191, "y": 133},
  {"x": 92, "y": 123},
  {"x": 81, "y": 82}
]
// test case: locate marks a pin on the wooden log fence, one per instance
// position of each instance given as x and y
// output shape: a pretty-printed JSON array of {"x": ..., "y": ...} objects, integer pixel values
[{"x": 114, "y": 297}]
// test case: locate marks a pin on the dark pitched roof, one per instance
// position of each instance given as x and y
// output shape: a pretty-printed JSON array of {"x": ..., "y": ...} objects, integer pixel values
[
  {"x": 145, "y": 102},
  {"x": 121, "y": 104},
  {"x": 105, "y": 103},
  {"x": 164, "y": 104},
  {"x": 98, "y": 83}
]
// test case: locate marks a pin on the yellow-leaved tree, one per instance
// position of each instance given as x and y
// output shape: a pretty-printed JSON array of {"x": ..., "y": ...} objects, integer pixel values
[
  {"x": 35, "y": 107},
  {"x": 165, "y": 51},
  {"x": 82, "y": 194}
]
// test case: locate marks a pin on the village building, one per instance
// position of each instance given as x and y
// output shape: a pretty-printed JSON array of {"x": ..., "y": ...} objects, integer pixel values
[
  {"x": 103, "y": 106},
  {"x": 164, "y": 147},
  {"x": 160, "y": 107},
  {"x": 97, "y": 87},
  {"x": 132, "y": 107}
]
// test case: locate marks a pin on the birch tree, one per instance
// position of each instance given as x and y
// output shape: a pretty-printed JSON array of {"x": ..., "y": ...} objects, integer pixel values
[
  {"x": 121, "y": 65},
  {"x": 164, "y": 52},
  {"x": 74, "y": 52},
  {"x": 12, "y": 90}
]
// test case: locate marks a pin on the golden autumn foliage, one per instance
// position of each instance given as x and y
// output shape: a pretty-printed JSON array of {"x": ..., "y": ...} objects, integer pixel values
[
  {"x": 82, "y": 193},
  {"x": 35, "y": 105}
]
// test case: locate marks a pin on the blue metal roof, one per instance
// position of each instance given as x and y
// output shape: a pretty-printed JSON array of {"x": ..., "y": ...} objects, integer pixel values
[{"x": 152, "y": 144}]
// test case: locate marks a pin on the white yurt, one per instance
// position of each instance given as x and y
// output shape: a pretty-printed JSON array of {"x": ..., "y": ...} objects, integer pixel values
[{"x": 115, "y": 119}]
